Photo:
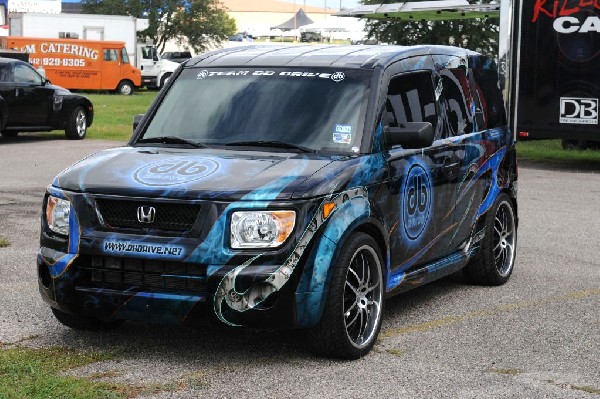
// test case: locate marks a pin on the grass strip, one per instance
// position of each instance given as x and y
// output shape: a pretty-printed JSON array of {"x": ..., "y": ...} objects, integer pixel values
[{"x": 37, "y": 373}]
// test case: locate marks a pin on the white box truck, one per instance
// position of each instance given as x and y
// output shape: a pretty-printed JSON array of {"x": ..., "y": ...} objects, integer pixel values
[{"x": 155, "y": 72}]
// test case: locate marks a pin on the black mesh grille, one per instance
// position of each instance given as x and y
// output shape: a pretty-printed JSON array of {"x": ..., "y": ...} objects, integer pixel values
[
  {"x": 168, "y": 216},
  {"x": 141, "y": 274}
]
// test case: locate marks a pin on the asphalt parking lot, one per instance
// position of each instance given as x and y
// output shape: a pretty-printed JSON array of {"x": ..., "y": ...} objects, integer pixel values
[{"x": 537, "y": 336}]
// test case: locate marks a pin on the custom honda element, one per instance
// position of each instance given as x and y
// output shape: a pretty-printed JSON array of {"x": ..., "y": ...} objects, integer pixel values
[{"x": 289, "y": 187}]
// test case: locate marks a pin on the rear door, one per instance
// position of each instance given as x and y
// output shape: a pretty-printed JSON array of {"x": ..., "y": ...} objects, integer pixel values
[{"x": 111, "y": 68}]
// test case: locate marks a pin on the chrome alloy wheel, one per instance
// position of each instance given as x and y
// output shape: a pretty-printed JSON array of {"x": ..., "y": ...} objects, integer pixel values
[
  {"x": 81, "y": 123},
  {"x": 363, "y": 294},
  {"x": 504, "y": 239}
]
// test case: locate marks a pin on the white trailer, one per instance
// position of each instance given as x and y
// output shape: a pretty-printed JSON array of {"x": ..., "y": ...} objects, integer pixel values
[{"x": 155, "y": 72}]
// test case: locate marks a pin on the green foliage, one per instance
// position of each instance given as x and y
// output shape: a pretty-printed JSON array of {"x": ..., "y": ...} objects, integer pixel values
[
  {"x": 36, "y": 373},
  {"x": 475, "y": 34},
  {"x": 4, "y": 242},
  {"x": 197, "y": 24}
]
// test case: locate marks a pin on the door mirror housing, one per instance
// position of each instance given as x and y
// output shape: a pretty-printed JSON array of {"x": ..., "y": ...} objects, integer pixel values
[
  {"x": 136, "y": 120},
  {"x": 410, "y": 135}
]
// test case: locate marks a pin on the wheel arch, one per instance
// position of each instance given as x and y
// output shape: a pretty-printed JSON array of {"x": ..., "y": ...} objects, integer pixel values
[{"x": 316, "y": 277}]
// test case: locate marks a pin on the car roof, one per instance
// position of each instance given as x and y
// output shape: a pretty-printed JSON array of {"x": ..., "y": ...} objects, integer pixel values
[{"x": 359, "y": 57}]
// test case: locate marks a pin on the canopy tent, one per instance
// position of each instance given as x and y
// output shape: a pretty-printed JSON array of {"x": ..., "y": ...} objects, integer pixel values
[
  {"x": 334, "y": 24},
  {"x": 300, "y": 19},
  {"x": 424, "y": 10}
]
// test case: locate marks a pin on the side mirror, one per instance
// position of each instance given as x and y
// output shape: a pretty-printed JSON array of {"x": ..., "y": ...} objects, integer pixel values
[
  {"x": 410, "y": 135},
  {"x": 136, "y": 120}
]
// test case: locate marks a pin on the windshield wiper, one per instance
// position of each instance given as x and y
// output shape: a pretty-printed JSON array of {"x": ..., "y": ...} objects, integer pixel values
[
  {"x": 272, "y": 144},
  {"x": 171, "y": 140}
]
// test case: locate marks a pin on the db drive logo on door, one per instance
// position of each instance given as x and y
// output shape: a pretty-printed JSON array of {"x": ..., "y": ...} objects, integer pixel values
[{"x": 583, "y": 111}]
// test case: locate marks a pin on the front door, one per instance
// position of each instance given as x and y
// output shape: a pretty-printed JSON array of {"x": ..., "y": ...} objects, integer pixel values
[
  {"x": 29, "y": 100},
  {"x": 417, "y": 180}
]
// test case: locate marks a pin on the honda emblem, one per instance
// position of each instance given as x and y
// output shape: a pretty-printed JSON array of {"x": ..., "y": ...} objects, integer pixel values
[{"x": 146, "y": 214}]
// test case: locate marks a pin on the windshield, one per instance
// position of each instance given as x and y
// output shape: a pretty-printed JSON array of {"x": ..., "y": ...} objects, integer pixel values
[{"x": 321, "y": 110}]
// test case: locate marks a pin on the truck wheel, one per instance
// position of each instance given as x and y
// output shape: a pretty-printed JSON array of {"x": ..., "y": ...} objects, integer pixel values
[
  {"x": 77, "y": 124},
  {"x": 78, "y": 322},
  {"x": 125, "y": 88},
  {"x": 494, "y": 262},
  {"x": 351, "y": 319},
  {"x": 164, "y": 79}
]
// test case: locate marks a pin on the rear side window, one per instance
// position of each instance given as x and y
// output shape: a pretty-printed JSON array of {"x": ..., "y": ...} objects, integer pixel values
[
  {"x": 489, "y": 97},
  {"x": 411, "y": 98},
  {"x": 458, "y": 99}
]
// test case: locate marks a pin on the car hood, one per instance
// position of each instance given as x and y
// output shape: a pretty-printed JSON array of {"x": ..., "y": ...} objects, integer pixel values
[{"x": 196, "y": 174}]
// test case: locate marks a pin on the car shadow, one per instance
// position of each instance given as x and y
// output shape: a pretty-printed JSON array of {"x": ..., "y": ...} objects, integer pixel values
[
  {"x": 574, "y": 166},
  {"x": 32, "y": 138},
  {"x": 205, "y": 347}
]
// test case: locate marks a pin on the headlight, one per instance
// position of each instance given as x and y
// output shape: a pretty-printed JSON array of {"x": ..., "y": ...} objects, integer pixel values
[
  {"x": 261, "y": 229},
  {"x": 57, "y": 215}
]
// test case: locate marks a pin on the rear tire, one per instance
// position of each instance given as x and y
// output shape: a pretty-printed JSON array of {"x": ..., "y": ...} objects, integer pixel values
[
  {"x": 125, "y": 88},
  {"x": 351, "y": 319},
  {"x": 495, "y": 260},
  {"x": 77, "y": 124},
  {"x": 87, "y": 323}
]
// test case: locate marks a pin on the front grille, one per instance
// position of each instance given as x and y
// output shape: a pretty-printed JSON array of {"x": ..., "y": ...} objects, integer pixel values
[
  {"x": 124, "y": 274},
  {"x": 168, "y": 216}
]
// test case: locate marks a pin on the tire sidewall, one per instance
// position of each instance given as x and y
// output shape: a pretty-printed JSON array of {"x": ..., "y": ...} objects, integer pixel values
[
  {"x": 335, "y": 299},
  {"x": 488, "y": 245},
  {"x": 72, "y": 131}
]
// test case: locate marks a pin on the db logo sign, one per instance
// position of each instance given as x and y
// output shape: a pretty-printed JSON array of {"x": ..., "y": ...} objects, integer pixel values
[
  {"x": 583, "y": 111},
  {"x": 172, "y": 172},
  {"x": 417, "y": 202}
]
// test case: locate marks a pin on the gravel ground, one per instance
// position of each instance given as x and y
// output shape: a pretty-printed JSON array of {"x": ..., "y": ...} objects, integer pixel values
[{"x": 537, "y": 336}]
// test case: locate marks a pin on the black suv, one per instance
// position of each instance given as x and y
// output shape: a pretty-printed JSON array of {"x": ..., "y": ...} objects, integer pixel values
[
  {"x": 30, "y": 103},
  {"x": 289, "y": 187}
]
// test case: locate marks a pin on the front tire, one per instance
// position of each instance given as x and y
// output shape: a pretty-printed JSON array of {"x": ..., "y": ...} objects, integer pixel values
[
  {"x": 77, "y": 124},
  {"x": 351, "y": 319},
  {"x": 125, "y": 88},
  {"x": 495, "y": 260},
  {"x": 87, "y": 323}
]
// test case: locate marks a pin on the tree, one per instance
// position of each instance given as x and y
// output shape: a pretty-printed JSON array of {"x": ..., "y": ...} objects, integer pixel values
[
  {"x": 198, "y": 24},
  {"x": 476, "y": 34}
]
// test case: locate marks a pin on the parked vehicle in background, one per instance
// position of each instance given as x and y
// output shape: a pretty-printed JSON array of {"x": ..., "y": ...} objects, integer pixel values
[
  {"x": 99, "y": 27},
  {"x": 29, "y": 102},
  {"x": 176, "y": 56},
  {"x": 297, "y": 190},
  {"x": 80, "y": 64}
]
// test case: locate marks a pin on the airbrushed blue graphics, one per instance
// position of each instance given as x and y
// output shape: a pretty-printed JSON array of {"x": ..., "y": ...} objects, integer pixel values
[
  {"x": 58, "y": 266},
  {"x": 493, "y": 163},
  {"x": 310, "y": 295},
  {"x": 260, "y": 291},
  {"x": 416, "y": 211},
  {"x": 176, "y": 171},
  {"x": 213, "y": 250},
  {"x": 416, "y": 201}
]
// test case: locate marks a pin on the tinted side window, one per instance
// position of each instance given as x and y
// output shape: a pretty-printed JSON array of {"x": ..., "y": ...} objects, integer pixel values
[
  {"x": 458, "y": 101},
  {"x": 411, "y": 98},
  {"x": 124, "y": 56},
  {"x": 25, "y": 74},
  {"x": 490, "y": 98}
]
